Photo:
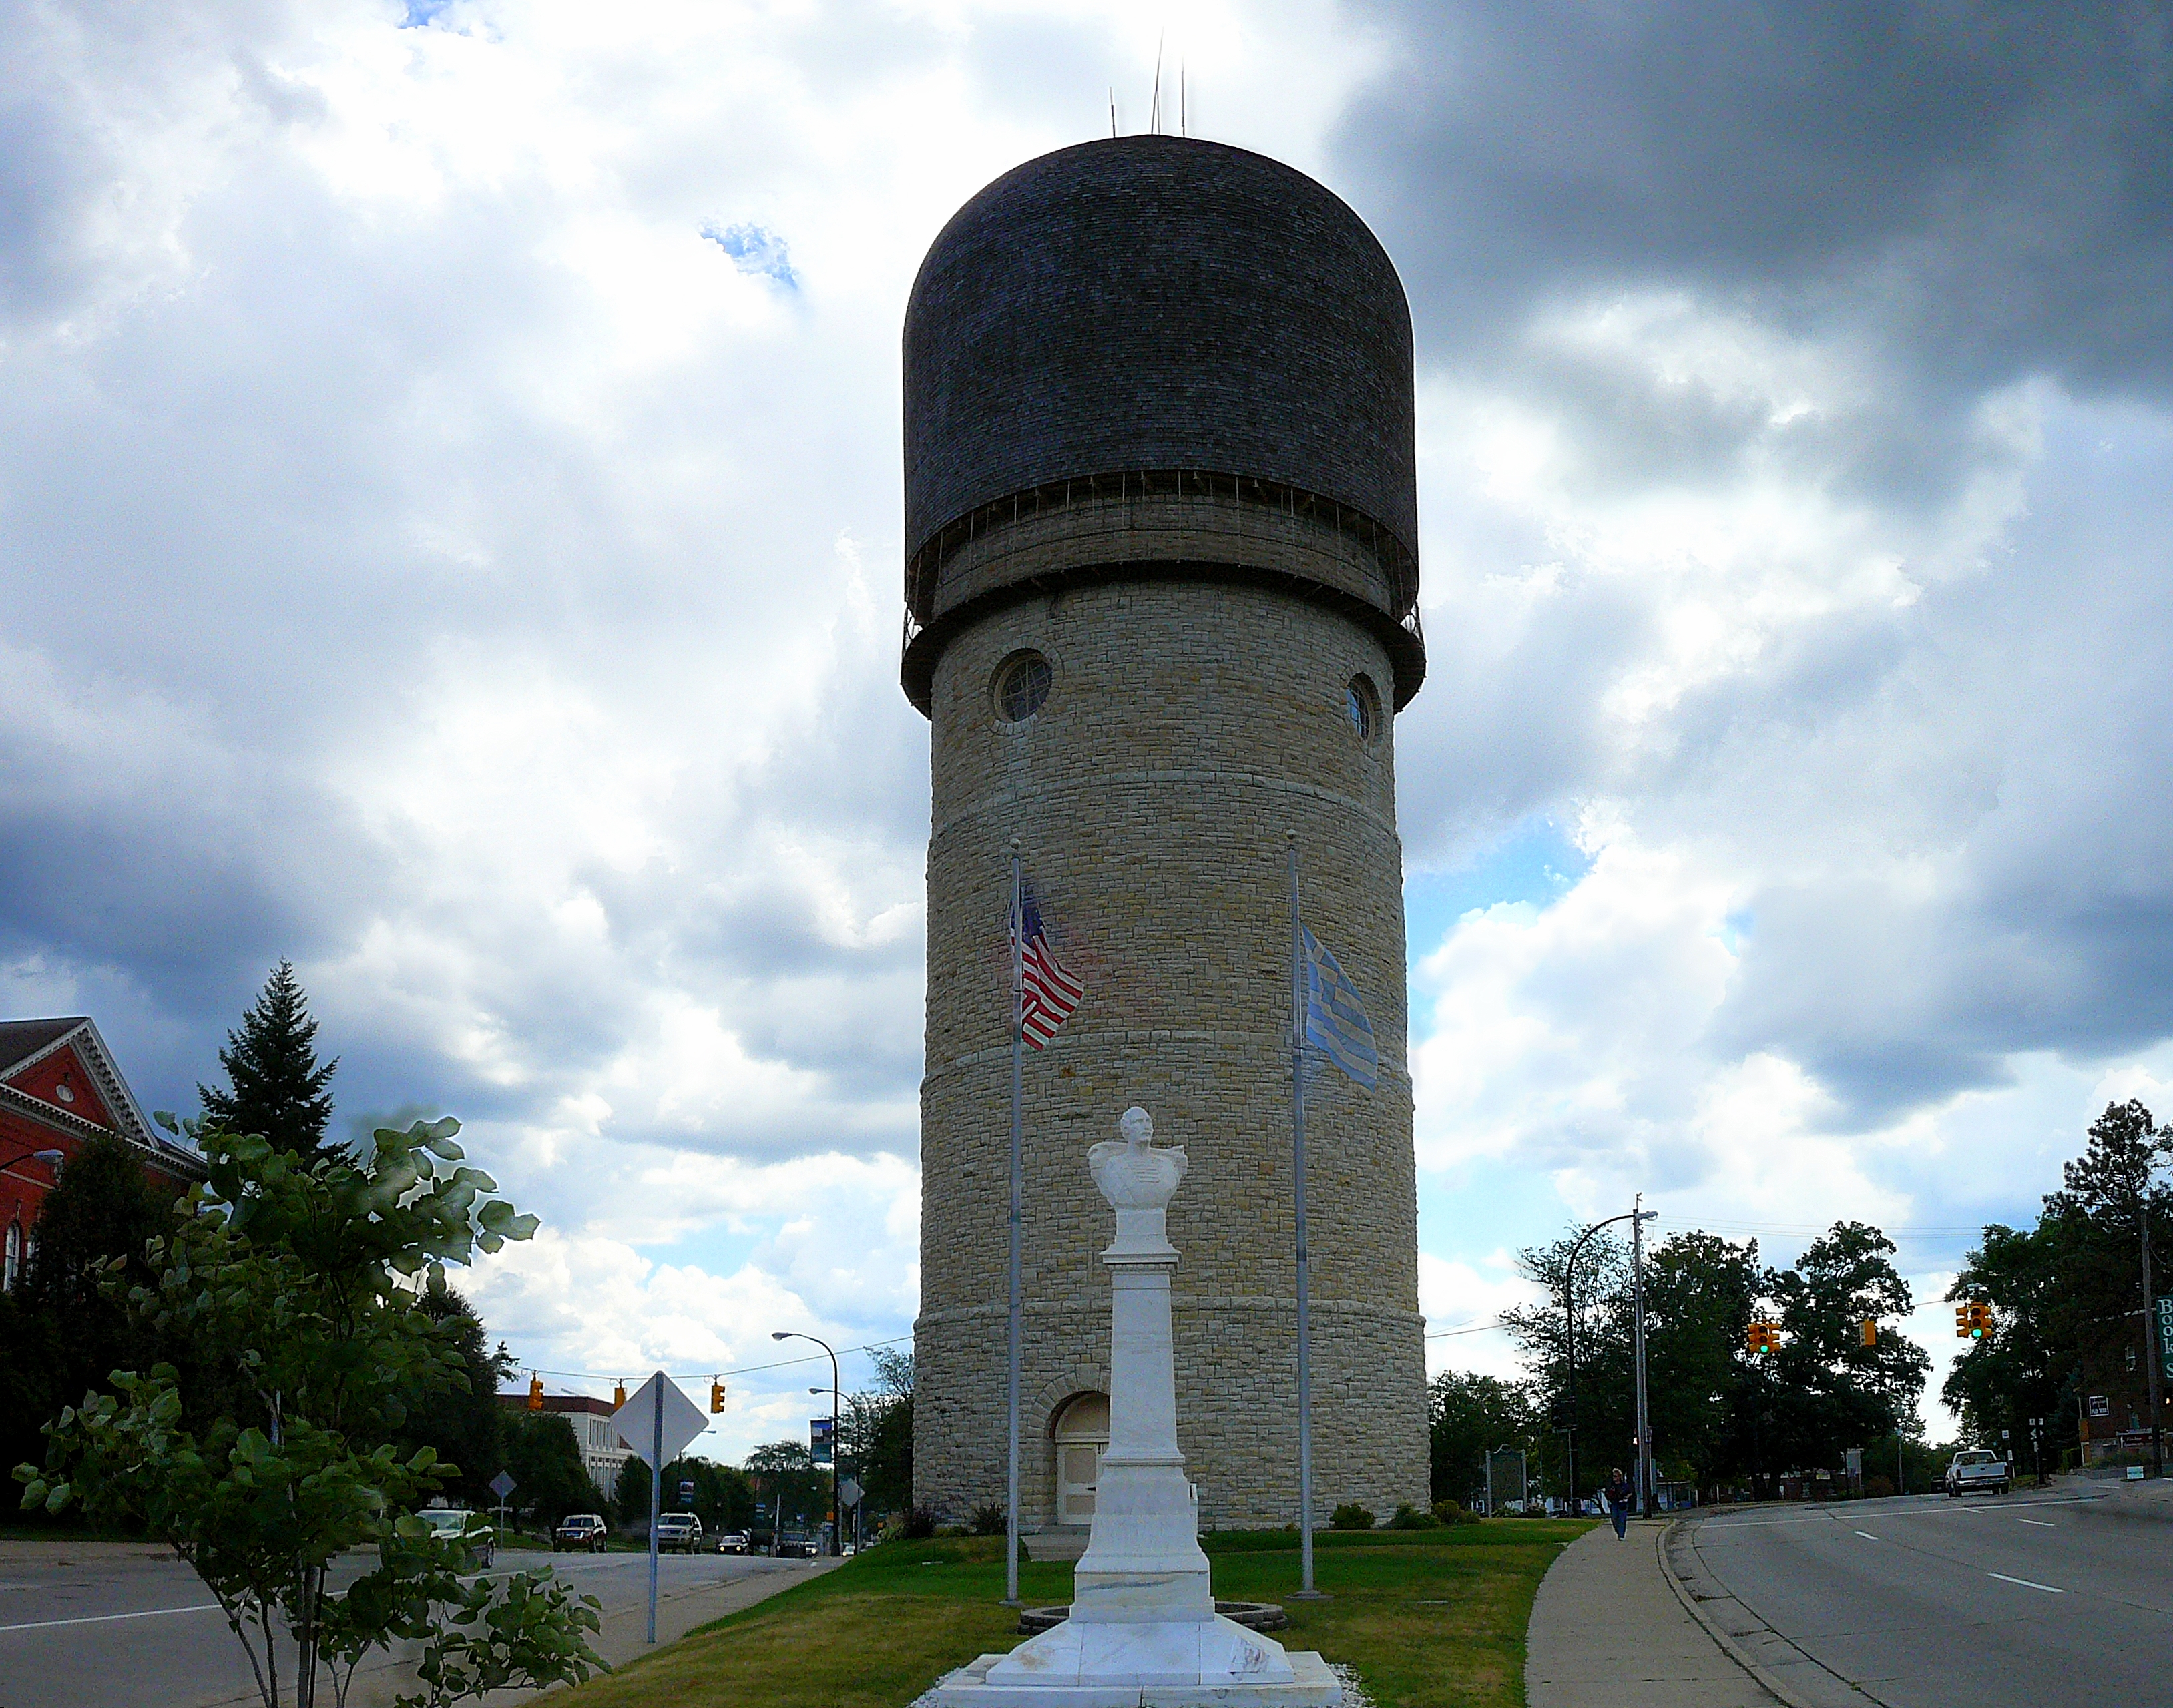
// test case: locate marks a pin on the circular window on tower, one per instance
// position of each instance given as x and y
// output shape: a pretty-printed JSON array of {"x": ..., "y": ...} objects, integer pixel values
[
  {"x": 1021, "y": 686},
  {"x": 1362, "y": 706}
]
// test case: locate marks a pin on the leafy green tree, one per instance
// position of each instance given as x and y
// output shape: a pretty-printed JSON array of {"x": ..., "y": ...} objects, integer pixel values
[
  {"x": 1469, "y": 1416},
  {"x": 629, "y": 1501},
  {"x": 1700, "y": 1292},
  {"x": 60, "y": 1332},
  {"x": 276, "y": 1087},
  {"x": 464, "y": 1423},
  {"x": 1605, "y": 1383},
  {"x": 722, "y": 1499},
  {"x": 876, "y": 1429},
  {"x": 794, "y": 1495},
  {"x": 543, "y": 1456},
  {"x": 300, "y": 1274},
  {"x": 1826, "y": 1391},
  {"x": 2066, "y": 1294}
]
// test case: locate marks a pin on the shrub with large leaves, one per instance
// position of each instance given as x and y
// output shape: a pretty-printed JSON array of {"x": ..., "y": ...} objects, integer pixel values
[{"x": 303, "y": 1275}]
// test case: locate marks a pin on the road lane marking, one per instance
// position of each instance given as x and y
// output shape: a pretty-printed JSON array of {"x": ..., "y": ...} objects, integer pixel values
[
  {"x": 102, "y": 1618},
  {"x": 2038, "y": 1523},
  {"x": 2026, "y": 1583},
  {"x": 1866, "y": 1536}
]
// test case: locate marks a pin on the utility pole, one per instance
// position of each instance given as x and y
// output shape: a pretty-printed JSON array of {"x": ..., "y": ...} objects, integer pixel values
[
  {"x": 1639, "y": 1216},
  {"x": 2150, "y": 1329}
]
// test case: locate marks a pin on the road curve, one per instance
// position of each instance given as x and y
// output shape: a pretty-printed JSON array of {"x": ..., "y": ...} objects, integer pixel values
[{"x": 1985, "y": 1601}]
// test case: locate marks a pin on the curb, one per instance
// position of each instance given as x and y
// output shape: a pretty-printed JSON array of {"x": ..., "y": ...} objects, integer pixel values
[
  {"x": 2134, "y": 1508},
  {"x": 1759, "y": 1672},
  {"x": 1728, "y": 1645}
]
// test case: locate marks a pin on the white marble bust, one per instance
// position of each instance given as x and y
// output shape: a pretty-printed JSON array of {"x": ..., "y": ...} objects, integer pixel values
[{"x": 1132, "y": 1174}]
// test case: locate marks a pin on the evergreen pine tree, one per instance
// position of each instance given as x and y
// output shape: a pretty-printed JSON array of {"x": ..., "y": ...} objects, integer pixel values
[{"x": 278, "y": 1088}]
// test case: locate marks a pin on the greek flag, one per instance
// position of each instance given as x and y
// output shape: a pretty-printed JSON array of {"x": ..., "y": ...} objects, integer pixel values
[{"x": 1335, "y": 1023}]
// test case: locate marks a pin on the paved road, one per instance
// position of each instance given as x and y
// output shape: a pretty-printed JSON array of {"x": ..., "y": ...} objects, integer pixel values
[
  {"x": 2014, "y": 1602},
  {"x": 103, "y": 1627}
]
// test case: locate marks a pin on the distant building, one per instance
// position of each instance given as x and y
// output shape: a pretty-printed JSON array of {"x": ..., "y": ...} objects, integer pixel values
[
  {"x": 601, "y": 1451},
  {"x": 60, "y": 1088},
  {"x": 2112, "y": 1409}
]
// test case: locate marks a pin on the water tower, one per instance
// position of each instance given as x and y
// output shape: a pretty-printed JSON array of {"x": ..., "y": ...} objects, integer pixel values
[{"x": 1161, "y": 586}]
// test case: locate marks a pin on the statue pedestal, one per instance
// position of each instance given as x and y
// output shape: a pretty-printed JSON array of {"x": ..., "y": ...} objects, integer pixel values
[{"x": 1143, "y": 1628}]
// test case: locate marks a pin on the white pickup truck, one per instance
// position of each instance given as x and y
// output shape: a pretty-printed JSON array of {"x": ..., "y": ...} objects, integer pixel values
[{"x": 1979, "y": 1468}]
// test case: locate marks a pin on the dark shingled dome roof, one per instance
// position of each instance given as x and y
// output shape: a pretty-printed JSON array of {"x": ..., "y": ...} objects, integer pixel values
[{"x": 1146, "y": 303}]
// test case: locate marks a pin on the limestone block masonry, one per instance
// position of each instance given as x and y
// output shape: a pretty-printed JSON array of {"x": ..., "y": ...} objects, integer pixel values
[{"x": 1188, "y": 728}]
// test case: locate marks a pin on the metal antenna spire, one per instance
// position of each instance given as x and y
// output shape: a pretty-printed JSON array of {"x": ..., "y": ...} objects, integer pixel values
[
  {"x": 1154, "y": 107},
  {"x": 1113, "y": 110},
  {"x": 1183, "y": 121}
]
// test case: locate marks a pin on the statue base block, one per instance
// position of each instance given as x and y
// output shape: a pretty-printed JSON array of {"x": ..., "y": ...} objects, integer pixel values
[{"x": 1311, "y": 1684}]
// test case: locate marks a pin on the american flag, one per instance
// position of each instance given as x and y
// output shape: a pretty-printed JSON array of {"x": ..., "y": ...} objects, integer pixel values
[{"x": 1046, "y": 993}]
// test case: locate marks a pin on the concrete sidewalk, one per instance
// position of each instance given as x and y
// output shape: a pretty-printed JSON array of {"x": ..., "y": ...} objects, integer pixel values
[{"x": 1609, "y": 1630}]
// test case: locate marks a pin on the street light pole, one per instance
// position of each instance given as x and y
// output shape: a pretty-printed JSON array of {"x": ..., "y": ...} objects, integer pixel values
[
  {"x": 1569, "y": 1317},
  {"x": 837, "y": 1539},
  {"x": 1640, "y": 1215}
]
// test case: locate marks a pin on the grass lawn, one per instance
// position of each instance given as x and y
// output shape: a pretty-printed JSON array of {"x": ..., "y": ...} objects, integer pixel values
[{"x": 1430, "y": 1619}]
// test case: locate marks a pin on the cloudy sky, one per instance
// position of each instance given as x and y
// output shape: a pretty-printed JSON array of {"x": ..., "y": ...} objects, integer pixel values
[{"x": 450, "y": 536}]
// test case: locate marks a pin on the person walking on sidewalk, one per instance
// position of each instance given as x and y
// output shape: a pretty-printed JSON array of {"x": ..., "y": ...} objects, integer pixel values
[{"x": 1618, "y": 1500}]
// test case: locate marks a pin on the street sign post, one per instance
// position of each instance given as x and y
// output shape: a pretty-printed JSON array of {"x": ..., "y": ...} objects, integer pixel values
[
  {"x": 501, "y": 1486},
  {"x": 657, "y": 1423}
]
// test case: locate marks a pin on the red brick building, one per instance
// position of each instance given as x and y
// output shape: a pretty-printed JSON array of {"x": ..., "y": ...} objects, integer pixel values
[{"x": 60, "y": 1088}]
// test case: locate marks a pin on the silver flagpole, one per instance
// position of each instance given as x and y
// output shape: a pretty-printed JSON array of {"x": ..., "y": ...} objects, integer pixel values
[
  {"x": 1018, "y": 1148},
  {"x": 1304, "y": 1257}
]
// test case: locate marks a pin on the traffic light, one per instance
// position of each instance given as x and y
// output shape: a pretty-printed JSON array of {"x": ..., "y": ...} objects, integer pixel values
[
  {"x": 1962, "y": 1322},
  {"x": 716, "y": 1394},
  {"x": 1979, "y": 1321},
  {"x": 1561, "y": 1413},
  {"x": 1870, "y": 1332},
  {"x": 619, "y": 1396},
  {"x": 535, "y": 1391},
  {"x": 1765, "y": 1337}
]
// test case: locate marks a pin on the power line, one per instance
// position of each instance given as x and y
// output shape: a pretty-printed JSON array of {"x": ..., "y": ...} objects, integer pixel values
[
  {"x": 1467, "y": 1329},
  {"x": 707, "y": 1375}
]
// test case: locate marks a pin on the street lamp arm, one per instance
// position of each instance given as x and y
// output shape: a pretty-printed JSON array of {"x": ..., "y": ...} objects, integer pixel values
[
  {"x": 1569, "y": 1325},
  {"x": 837, "y": 1519}
]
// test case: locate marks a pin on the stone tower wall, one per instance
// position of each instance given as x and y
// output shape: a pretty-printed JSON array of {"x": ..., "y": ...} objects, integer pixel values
[{"x": 1191, "y": 726}]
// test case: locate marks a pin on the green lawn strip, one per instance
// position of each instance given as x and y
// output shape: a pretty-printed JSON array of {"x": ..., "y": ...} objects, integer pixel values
[{"x": 1432, "y": 1619}]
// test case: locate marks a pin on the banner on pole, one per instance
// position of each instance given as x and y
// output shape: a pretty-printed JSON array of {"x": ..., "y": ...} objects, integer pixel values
[{"x": 819, "y": 1442}]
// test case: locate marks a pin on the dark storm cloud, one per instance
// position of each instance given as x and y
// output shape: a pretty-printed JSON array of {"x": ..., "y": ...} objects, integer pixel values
[
  {"x": 1990, "y": 185},
  {"x": 1941, "y": 801}
]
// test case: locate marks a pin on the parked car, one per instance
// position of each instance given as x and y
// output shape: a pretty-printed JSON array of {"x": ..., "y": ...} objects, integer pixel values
[
  {"x": 733, "y": 1541},
  {"x": 473, "y": 1528},
  {"x": 793, "y": 1545},
  {"x": 1977, "y": 1468},
  {"x": 678, "y": 1533},
  {"x": 585, "y": 1530}
]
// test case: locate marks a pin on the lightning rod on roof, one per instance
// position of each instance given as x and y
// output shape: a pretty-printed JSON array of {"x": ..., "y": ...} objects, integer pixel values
[
  {"x": 1113, "y": 110},
  {"x": 1154, "y": 107}
]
